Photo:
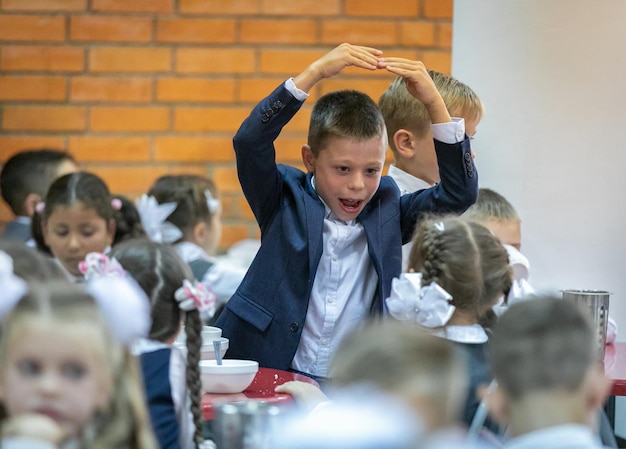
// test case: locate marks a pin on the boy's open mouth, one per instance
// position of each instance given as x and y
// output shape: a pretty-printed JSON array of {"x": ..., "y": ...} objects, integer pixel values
[{"x": 351, "y": 205}]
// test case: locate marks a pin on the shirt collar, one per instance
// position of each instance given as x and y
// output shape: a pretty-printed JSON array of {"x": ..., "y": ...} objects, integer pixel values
[{"x": 406, "y": 182}]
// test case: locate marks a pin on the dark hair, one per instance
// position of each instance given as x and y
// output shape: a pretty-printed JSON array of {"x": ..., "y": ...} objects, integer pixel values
[
  {"x": 348, "y": 114},
  {"x": 31, "y": 265},
  {"x": 159, "y": 271},
  {"x": 188, "y": 192},
  {"x": 29, "y": 171},
  {"x": 127, "y": 220},
  {"x": 465, "y": 258},
  {"x": 543, "y": 344},
  {"x": 84, "y": 187}
]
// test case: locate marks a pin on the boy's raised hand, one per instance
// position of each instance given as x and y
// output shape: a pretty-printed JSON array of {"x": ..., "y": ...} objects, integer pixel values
[
  {"x": 335, "y": 61},
  {"x": 419, "y": 84}
]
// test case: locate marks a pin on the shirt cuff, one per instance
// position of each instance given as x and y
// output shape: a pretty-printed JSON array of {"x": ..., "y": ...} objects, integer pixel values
[
  {"x": 298, "y": 94},
  {"x": 451, "y": 132}
]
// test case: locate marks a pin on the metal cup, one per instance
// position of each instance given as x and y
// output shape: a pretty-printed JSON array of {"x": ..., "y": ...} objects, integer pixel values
[
  {"x": 245, "y": 425},
  {"x": 596, "y": 303}
]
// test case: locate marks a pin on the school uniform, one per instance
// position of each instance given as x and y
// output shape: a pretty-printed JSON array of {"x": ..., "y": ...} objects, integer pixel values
[
  {"x": 265, "y": 318},
  {"x": 164, "y": 378},
  {"x": 18, "y": 230}
]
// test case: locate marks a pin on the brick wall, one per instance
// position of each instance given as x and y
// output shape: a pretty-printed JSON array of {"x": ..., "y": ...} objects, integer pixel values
[{"x": 138, "y": 88}]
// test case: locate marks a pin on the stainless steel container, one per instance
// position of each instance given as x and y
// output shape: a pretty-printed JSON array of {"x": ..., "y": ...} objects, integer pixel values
[
  {"x": 596, "y": 303},
  {"x": 245, "y": 425}
]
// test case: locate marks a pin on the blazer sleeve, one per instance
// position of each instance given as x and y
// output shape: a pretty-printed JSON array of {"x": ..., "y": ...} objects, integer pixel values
[
  {"x": 457, "y": 190},
  {"x": 255, "y": 153}
]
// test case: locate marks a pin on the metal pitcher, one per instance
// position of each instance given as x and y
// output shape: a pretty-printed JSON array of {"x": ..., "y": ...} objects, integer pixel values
[{"x": 596, "y": 303}]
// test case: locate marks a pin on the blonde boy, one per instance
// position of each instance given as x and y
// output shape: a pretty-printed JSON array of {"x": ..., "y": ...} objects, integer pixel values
[{"x": 551, "y": 385}]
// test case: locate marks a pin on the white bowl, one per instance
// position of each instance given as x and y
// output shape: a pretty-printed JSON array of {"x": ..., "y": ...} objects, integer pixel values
[
  {"x": 209, "y": 333},
  {"x": 207, "y": 351},
  {"x": 233, "y": 376}
]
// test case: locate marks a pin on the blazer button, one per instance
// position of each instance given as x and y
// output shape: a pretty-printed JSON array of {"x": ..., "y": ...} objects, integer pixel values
[
  {"x": 294, "y": 327},
  {"x": 468, "y": 157},
  {"x": 265, "y": 118},
  {"x": 277, "y": 105},
  {"x": 269, "y": 112}
]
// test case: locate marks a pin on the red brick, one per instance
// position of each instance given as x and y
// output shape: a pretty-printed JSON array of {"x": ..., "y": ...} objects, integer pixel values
[
  {"x": 9, "y": 145},
  {"x": 96, "y": 149},
  {"x": 129, "y": 118},
  {"x": 365, "y": 32},
  {"x": 195, "y": 90},
  {"x": 209, "y": 119},
  {"x": 437, "y": 9},
  {"x": 230, "y": 7},
  {"x": 43, "y": 118},
  {"x": 226, "y": 179},
  {"x": 372, "y": 87},
  {"x": 290, "y": 62},
  {"x": 293, "y": 31},
  {"x": 252, "y": 90},
  {"x": 300, "y": 123},
  {"x": 154, "y": 6},
  {"x": 195, "y": 30},
  {"x": 110, "y": 29},
  {"x": 44, "y": 5},
  {"x": 397, "y": 8},
  {"x": 132, "y": 181},
  {"x": 14, "y": 27},
  {"x": 5, "y": 213},
  {"x": 42, "y": 58},
  {"x": 211, "y": 149},
  {"x": 303, "y": 8},
  {"x": 129, "y": 59},
  {"x": 444, "y": 35},
  {"x": 33, "y": 88},
  {"x": 289, "y": 150},
  {"x": 111, "y": 89},
  {"x": 440, "y": 61},
  {"x": 215, "y": 60},
  {"x": 421, "y": 34},
  {"x": 232, "y": 233},
  {"x": 244, "y": 208}
]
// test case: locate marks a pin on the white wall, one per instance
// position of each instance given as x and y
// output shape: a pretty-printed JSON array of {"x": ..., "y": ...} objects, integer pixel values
[{"x": 552, "y": 75}]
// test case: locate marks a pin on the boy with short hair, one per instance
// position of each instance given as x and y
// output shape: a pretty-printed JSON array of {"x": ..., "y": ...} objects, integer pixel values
[
  {"x": 331, "y": 238},
  {"x": 495, "y": 212},
  {"x": 551, "y": 385},
  {"x": 409, "y": 128},
  {"x": 24, "y": 181}
]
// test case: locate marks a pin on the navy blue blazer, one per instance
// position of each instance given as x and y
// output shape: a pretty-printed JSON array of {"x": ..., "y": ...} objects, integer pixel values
[{"x": 265, "y": 316}]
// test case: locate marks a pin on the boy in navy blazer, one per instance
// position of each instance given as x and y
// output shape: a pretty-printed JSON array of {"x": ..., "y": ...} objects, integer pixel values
[{"x": 331, "y": 238}]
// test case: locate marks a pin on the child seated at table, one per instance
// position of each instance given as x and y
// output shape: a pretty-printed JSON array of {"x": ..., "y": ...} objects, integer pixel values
[
  {"x": 458, "y": 270},
  {"x": 551, "y": 385}
]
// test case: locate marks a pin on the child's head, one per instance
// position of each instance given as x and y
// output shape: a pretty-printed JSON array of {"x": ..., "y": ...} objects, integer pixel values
[
  {"x": 127, "y": 220},
  {"x": 59, "y": 359},
  {"x": 78, "y": 218},
  {"x": 401, "y": 359},
  {"x": 26, "y": 176},
  {"x": 160, "y": 272},
  {"x": 198, "y": 210},
  {"x": 464, "y": 258},
  {"x": 29, "y": 264},
  {"x": 408, "y": 122},
  {"x": 496, "y": 213},
  {"x": 547, "y": 347},
  {"x": 346, "y": 151}
]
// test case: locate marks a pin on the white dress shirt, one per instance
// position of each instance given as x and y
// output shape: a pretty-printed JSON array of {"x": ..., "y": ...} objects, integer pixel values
[{"x": 569, "y": 436}]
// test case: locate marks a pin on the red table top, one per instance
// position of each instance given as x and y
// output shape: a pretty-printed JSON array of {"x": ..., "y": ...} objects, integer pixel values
[
  {"x": 615, "y": 367},
  {"x": 261, "y": 388}
]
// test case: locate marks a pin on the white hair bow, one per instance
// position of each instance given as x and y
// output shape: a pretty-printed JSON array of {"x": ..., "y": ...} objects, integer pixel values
[
  {"x": 212, "y": 203},
  {"x": 154, "y": 219},
  {"x": 99, "y": 265},
  {"x": 427, "y": 305},
  {"x": 13, "y": 287}
]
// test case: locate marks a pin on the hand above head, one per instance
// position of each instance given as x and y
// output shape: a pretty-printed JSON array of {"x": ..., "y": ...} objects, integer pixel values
[
  {"x": 419, "y": 84},
  {"x": 335, "y": 61}
]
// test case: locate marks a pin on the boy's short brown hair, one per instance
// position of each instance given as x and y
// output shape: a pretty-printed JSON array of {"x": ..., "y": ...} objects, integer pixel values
[
  {"x": 403, "y": 111},
  {"x": 491, "y": 205},
  {"x": 542, "y": 344},
  {"x": 347, "y": 114}
]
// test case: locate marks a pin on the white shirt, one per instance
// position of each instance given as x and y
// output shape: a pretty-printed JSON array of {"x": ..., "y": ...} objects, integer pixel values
[
  {"x": 223, "y": 278},
  {"x": 407, "y": 183},
  {"x": 568, "y": 436},
  {"x": 341, "y": 296}
]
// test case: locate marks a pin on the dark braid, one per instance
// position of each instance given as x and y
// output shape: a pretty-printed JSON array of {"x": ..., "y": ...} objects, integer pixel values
[{"x": 193, "y": 331}]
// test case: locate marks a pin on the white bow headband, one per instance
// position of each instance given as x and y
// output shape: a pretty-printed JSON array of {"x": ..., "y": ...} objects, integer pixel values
[
  {"x": 427, "y": 305},
  {"x": 122, "y": 302}
]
